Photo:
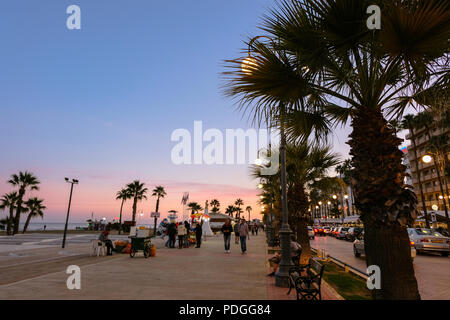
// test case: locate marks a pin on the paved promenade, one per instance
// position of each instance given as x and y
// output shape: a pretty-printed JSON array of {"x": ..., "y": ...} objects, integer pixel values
[{"x": 204, "y": 273}]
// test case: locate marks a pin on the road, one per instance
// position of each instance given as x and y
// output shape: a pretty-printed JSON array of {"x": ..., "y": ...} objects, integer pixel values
[{"x": 432, "y": 271}]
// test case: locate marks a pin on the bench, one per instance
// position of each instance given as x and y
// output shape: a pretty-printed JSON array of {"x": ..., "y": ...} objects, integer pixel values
[{"x": 306, "y": 279}]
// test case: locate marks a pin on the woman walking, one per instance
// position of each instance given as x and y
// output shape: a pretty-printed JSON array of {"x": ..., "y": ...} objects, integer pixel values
[
  {"x": 243, "y": 234},
  {"x": 227, "y": 229},
  {"x": 181, "y": 234},
  {"x": 236, "y": 232}
]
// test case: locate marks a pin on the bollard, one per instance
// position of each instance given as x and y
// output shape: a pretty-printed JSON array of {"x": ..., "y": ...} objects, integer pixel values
[{"x": 346, "y": 268}]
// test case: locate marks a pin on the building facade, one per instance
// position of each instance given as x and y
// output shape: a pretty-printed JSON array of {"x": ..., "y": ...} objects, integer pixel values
[{"x": 427, "y": 171}]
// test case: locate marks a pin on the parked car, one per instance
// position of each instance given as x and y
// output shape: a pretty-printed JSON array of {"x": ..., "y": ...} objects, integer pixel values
[
  {"x": 335, "y": 232},
  {"x": 318, "y": 231},
  {"x": 341, "y": 233},
  {"x": 311, "y": 234},
  {"x": 358, "y": 246},
  {"x": 429, "y": 240},
  {"x": 352, "y": 233},
  {"x": 326, "y": 230}
]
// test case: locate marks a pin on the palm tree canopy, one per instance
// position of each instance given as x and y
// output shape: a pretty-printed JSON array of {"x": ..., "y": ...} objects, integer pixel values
[
  {"x": 123, "y": 194},
  {"x": 324, "y": 52},
  {"x": 194, "y": 206},
  {"x": 24, "y": 180},
  {"x": 159, "y": 192},
  {"x": 137, "y": 190},
  {"x": 35, "y": 207},
  {"x": 239, "y": 202},
  {"x": 8, "y": 200}
]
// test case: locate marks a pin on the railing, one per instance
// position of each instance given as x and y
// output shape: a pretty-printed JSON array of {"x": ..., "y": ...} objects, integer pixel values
[{"x": 345, "y": 265}]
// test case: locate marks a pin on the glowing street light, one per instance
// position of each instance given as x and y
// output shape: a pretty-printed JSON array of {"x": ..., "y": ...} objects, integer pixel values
[
  {"x": 345, "y": 196},
  {"x": 258, "y": 162},
  {"x": 334, "y": 197},
  {"x": 427, "y": 158},
  {"x": 248, "y": 65},
  {"x": 260, "y": 186}
]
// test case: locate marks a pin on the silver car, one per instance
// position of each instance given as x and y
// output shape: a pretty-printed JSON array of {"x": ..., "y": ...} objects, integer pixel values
[
  {"x": 358, "y": 246},
  {"x": 429, "y": 240}
]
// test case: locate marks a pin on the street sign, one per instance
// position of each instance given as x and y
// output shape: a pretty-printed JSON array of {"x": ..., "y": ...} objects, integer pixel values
[{"x": 154, "y": 215}]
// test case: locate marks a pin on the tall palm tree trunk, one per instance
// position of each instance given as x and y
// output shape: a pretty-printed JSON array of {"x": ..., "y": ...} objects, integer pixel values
[
  {"x": 413, "y": 138},
  {"x": 19, "y": 207},
  {"x": 10, "y": 222},
  {"x": 381, "y": 200},
  {"x": 134, "y": 210},
  {"x": 156, "y": 219},
  {"x": 120, "y": 216},
  {"x": 27, "y": 222}
]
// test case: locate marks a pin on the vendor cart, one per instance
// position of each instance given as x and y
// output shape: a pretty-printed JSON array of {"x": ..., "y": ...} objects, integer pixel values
[{"x": 140, "y": 243}]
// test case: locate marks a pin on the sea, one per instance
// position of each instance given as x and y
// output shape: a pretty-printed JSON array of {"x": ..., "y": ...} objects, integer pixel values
[{"x": 37, "y": 226}]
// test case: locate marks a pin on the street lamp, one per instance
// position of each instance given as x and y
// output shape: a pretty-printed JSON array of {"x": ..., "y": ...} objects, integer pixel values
[
  {"x": 72, "y": 182},
  {"x": 427, "y": 158},
  {"x": 249, "y": 65}
]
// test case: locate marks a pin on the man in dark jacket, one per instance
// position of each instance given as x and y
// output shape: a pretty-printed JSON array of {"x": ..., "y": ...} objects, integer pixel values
[
  {"x": 227, "y": 229},
  {"x": 198, "y": 234},
  {"x": 172, "y": 231}
]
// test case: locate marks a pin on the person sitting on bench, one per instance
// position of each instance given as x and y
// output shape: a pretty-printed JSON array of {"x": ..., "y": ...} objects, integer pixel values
[
  {"x": 109, "y": 245},
  {"x": 295, "y": 253}
]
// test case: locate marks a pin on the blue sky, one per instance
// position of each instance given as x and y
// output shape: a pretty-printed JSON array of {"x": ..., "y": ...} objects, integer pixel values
[{"x": 100, "y": 103}]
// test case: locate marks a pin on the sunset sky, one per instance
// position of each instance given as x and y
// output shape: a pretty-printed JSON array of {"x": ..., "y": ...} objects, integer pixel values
[{"x": 99, "y": 104}]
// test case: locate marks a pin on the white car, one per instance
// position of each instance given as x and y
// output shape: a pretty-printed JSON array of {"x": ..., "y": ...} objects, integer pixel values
[
  {"x": 429, "y": 240},
  {"x": 358, "y": 246},
  {"x": 311, "y": 234}
]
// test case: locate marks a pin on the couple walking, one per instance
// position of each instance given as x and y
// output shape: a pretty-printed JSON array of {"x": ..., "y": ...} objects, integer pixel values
[{"x": 241, "y": 231}]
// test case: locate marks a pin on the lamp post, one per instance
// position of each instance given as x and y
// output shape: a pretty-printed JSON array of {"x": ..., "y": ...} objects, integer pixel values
[
  {"x": 72, "y": 182},
  {"x": 282, "y": 275}
]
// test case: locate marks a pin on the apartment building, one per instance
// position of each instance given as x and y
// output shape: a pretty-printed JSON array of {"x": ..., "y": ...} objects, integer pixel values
[{"x": 427, "y": 171}]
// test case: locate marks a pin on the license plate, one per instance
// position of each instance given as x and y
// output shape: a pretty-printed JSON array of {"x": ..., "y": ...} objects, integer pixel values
[{"x": 437, "y": 241}]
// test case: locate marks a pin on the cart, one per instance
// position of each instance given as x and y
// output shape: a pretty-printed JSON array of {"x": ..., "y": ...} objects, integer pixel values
[{"x": 140, "y": 243}]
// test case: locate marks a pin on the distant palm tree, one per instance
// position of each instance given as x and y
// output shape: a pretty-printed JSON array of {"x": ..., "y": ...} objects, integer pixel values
[
  {"x": 248, "y": 209},
  {"x": 138, "y": 193},
  {"x": 9, "y": 200},
  {"x": 230, "y": 210},
  {"x": 123, "y": 195},
  {"x": 35, "y": 208},
  {"x": 23, "y": 180},
  {"x": 158, "y": 192},
  {"x": 216, "y": 205},
  {"x": 238, "y": 203},
  {"x": 195, "y": 207}
]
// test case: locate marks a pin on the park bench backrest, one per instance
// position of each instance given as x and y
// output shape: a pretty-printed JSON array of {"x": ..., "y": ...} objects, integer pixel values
[{"x": 317, "y": 267}]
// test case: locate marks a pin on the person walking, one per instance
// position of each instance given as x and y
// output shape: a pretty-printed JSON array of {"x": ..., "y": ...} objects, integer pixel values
[
  {"x": 236, "y": 232},
  {"x": 172, "y": 231},
  {"x": 227, "y": 230},
  {"x": 243, "y": 235},
  {"x": 188, "y": 230},
  {"x": 181, "y": 235},
  {"x": 198, "y": 234}
]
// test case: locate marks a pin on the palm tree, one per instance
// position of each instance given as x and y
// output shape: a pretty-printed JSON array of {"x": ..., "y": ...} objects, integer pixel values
[
  {"x": 9, "y": 200},
  {"x": 326, "y": 62},
  {"x": 35, "y": 208},
  {"x": 158, "y": 192},
  {"x": 238, "y": 203},
  {"x": 248, "y": 209},
  {"x": 216, "y": 205},
  {"x": 306, "y": 166},
  {"x": 138, "y": 193},
  {"x": 195, "y": 207},
  {"x": 230, "y": 210},
  {"x": 123, "y": 195},
  {"x": 23, "y": 180},
  {"x": 408, "y": 123}
]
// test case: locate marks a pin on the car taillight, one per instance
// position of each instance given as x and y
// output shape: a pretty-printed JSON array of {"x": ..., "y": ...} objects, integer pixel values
[
  {"x": 412, "y": 243},
  {"x": 424, "y": 240}
]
